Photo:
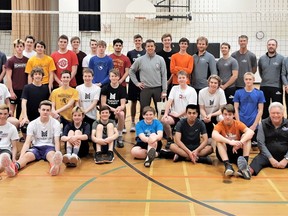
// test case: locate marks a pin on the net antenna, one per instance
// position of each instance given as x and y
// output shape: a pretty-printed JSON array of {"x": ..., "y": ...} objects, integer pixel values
[{"x": 140, "y": 10}]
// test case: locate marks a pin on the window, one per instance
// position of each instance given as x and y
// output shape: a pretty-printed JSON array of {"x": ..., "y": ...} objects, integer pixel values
[
  {"x": 5, "y": 18},
  {"x": 89, "y": 22}
]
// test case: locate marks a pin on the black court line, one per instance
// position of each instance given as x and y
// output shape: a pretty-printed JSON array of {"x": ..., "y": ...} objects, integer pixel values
[{"x": 168, "y": 188}]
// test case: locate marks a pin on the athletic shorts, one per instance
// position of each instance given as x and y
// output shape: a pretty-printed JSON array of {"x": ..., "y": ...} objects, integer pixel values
[
  {"x": 133, "y": 92},
  {"x": 144, "y": 145},
  {"x": 41, "y": 152},
  {"x": 18, "y": 93},
  {"x": 6, "y": 151}
]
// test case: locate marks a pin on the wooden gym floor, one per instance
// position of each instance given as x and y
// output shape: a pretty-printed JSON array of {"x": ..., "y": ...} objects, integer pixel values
[{"x": 126, "y": 187}]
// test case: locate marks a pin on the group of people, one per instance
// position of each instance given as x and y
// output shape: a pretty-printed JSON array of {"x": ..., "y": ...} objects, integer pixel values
[{"x": 211, "y": 106}]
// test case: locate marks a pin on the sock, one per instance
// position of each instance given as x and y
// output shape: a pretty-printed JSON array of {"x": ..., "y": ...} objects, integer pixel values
[
  {"x": 246, "y": 158},
  {"x": 17, "y": 165},
  {"x": 69, "y": 150},
  {"x": 76, "y": 150},
  {"x": 120, "y": 133},
  {"x": 226, "y": 162}
]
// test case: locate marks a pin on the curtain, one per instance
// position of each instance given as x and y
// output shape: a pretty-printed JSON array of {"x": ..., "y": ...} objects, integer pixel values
[{"x": 38, "y": 25}]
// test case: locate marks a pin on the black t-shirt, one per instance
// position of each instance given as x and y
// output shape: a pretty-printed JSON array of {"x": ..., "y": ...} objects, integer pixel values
[
  {"x": 114, "y": 95},
  {"x": 34, "y": 95},
  {"x": 84, "y": 128},
  {"x": 167, "y": 58}
]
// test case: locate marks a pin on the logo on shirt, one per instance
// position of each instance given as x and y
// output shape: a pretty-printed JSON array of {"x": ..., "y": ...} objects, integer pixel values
[
  {"x": 211, "y": 102},
  {"x": 112, "y": 96},
  {"x": 275, "y": 63},
  {"x": 62, "y": 63},
  {"x": 157, "y": 66},
  {"x": 244, "y": 61},
  {"x": 44, "y": 133},
  {"x": 284, "y": 128},
  {"x": 181, "y": 96},
  {"x": 87, "y": 96}
]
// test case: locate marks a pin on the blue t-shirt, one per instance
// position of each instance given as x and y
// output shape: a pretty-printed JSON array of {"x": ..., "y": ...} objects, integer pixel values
[
  {"x": 147, "y": 129},
  {"x": 101, "y": 68},
  {"x": 248, "y": 104}
]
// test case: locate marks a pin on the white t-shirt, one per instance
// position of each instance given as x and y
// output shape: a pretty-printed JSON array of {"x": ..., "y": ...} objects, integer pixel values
[
  {"x": 86, "y": 96},
  {"x": 28, "y": 54},
  {"x": 44, "y": 134},
  {"x": 181, "y": 98},
  {"x": 85, "y": 62},
  {"x": 212, "y": 102},
  {"x": 8, "y": 133},
  {"x": 4, "y": 93}
]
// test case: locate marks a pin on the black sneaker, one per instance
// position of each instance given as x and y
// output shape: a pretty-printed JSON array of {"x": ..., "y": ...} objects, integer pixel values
[
  {"x": 229, "y": 171},
  {"x": 110, "y": 157},
  {"x": 244, "y": 170},
  {"x": 169, "y": 142},
  {"x": 98, "y": 157},
  {"x": 120, "y": 143},
  {"x": 151, "y": 156},
  {"x": 205, "y": 160}
]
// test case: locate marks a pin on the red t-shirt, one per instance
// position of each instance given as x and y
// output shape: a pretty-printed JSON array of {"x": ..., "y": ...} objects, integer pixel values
[
  {"x": 121, "y": 63},
  {"x": 64, "y": 62}
]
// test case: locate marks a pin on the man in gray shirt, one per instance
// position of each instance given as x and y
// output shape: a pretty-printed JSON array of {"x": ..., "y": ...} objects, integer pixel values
[
  {"x": 247, "y": 61},
  {"x": 285, "y": 79},
  {"x": 153, "y": 75},
  {"x": 227, "y": 68},
  {"x": 204, "y": 65},
  {"x": 270, "y": 68}
]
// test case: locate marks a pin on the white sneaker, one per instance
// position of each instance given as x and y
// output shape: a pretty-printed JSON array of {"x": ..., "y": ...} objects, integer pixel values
[
  {"x": 132, "y": 129},
  {"x": 66, "y": 159},
  {"x": 74, "y": 160},
  {"x": 124, "y": 130},
  {"x": 57, "y": 161}
]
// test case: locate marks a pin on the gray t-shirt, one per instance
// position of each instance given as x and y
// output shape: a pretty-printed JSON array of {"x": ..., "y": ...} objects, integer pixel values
[
  {"x": 225, "y": 68},
  {"x": 204, "y": 66},
  {"x": 246, "y": 62},
  {"x": 270, "y": 69}
]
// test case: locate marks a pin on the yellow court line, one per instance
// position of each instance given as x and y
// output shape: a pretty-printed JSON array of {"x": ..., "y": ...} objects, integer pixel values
[
  {"x": 274, "y": 187},
  {"x": 148, "y": 195},
  {"x": 188, "y": 188}
]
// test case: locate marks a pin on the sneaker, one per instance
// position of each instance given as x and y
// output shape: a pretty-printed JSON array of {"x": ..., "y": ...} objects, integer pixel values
[
  {"x": 176, "y": 158},
  {"x": 205, "y": 160},
  {"x": 98, "y": 157},
  {"x": 120, "y": 143},
  {"x": 57, "y": 161},
  {"x": 124, "y": 130},
  {"x": 151, "y": 156},
  {"x": 244, "y": 170},
  {"x": 8, "y": 165},
  {"x": 110, "y": 157},
  {"x": 169, "y": 142},
  {"x": 229, "y": 171},
  {"x": 74, "y": 160},
  {"x": 132, "y": 128},
  {"x": 66, "y": 159}
]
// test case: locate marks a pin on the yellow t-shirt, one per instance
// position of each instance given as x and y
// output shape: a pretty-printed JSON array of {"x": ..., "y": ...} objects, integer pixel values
[
  {"x": 60, "y": 97},
  {"x": 46, "y": 63}
]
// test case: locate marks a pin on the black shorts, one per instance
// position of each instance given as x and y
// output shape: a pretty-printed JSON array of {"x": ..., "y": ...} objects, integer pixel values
[
  {"x": 133, "y": 91},
  {"x": 231, "y": 156},
  {"x": 144, "y": 145},
  {"x": 6, "y": 151},
  {"x": 18, "y": 93}
]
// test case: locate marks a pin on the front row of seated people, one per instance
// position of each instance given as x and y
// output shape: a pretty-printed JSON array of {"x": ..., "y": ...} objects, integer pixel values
[{"x": 233, "y": 140}]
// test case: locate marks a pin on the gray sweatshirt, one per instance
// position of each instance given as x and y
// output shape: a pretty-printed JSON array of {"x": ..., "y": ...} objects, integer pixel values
[{"x": 152, "y": 70}]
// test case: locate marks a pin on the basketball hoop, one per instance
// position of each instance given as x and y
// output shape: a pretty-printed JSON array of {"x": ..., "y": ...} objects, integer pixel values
[{"x": 140, "y": 10}]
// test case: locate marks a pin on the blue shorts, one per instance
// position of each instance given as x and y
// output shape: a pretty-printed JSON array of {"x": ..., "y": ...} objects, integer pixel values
[{"x": 40, "y": 152}]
